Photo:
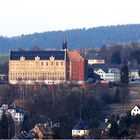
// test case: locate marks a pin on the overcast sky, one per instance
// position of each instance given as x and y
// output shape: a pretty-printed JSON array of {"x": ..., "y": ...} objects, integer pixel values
[{"x": 28, "y": 16}]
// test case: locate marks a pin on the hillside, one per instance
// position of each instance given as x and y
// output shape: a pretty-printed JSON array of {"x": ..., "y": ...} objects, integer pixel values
[{"x": 77, "y": 38}]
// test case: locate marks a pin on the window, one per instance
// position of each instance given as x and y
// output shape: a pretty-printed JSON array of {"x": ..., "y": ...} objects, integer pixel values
[
  {"x": 42, "y": 63},
  {"x": 46, "y": 63},
  {"x": 56, "y": 63},
  {"x": 61, "y": 63},
  {"x": 52, "y": 63}
]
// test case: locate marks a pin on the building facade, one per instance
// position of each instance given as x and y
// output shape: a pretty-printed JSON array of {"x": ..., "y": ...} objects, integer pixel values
[
  {"x": 48, "y": 67},
  {"x": 77, "y": 67},
  {"x": 108, "y": 74},
  {"x": 80, "y": 130},
  {"x": 96, "y": 61},
  {"x": 135, "y": 110},
  {"x": 37, "y": 66}
]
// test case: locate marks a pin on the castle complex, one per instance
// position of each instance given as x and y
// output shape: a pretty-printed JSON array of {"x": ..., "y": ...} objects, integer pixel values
[{"x": 48, "y": 67}]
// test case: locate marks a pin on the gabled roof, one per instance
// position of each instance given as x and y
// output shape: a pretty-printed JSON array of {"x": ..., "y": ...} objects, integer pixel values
[
  {"x": 30, "y": 55},
  {"x": 81, "y": 126},
  {"x": 135, "y": 106},
  {"x": 16, "y": 108}
]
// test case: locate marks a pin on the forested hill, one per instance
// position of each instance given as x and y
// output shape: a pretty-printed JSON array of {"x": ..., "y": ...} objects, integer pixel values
[{"x": 77, "y": 38}]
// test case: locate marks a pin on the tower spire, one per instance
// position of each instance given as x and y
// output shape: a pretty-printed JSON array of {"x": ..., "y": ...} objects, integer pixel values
[{"x": 64, "y": 45}]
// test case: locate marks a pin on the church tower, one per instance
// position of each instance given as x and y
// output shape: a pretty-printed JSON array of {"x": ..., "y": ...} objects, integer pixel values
[{"x": 64, "y": 45}]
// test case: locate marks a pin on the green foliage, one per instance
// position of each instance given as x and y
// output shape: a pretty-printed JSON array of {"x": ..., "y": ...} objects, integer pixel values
[
  {"x": 4, "y": 58},
  {"x": 117, "y": 95},
  {"x": 124, "y": 75},
  {"x": 7, "y": 94},
  {"x": 85, "y": 38},
  {"x": 4, "y": 127},
  {"x": 116, "y": 58},
  {"x": 93, "y": 123},
  {"x": 139, "y": 73},
  {"x": 135, "y": 56},
  {"x": 114, "y": 130},
  {"x": 136, "y": 119}
]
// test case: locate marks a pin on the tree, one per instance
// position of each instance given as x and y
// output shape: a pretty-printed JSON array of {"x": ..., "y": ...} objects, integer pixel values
[
  {"x": 124, "y": 75},
  {"x": 114, "y": 132},
  {"x": 139, "y": 73},
  {"x": 116, "y": 58},
  {"x": 4, "y": 127},
  {"x": 117, "y": 95}
]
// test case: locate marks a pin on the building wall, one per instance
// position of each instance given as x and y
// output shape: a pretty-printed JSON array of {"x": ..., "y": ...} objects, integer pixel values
[
  {"x": 80, "y": 133},
  {"x": 77, "y": 68},
  {"x": 109, "y": 76},
  {"x": 96, "y": 61},
  {"x": 135, "y": 111},
  {"x": 30, "y": 71},
  {"x": 72, "y": 68},
  {"x": 134, "y": 74}
]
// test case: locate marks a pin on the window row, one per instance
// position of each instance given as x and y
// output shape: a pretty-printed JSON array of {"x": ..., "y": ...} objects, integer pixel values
[
  {"x": 40, "y": 64},
  {"x": 37, "y": 73},
  {"x": 33, "y": 79}
]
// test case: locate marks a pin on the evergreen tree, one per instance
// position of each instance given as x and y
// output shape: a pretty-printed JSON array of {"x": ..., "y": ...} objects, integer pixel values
[
  {"x": 139, "y": 73},
  {"x": 124, "y": 75},
  {"x": 116, "y": 58},
  {"x": 4, "y": 127},
  {"x": 117, "y": 95},
  {"x": 114, "y": 132}
]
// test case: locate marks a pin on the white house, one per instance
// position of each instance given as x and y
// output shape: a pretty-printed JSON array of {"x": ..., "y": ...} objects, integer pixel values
[
  {"x": 135, "y": 110},
  {"x": 80, "y": 130},
  {"x": 17, "y": 115},
  {"x": 4, "y": 107},
  {"x": 108, "y": 74}
]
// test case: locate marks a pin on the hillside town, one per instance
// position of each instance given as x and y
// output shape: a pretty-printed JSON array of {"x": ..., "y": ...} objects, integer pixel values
[{"x": 52, "y": 94}]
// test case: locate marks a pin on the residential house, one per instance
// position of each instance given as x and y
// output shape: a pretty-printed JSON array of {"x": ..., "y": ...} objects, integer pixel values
[
  {"x": 80, "y": 130},
  {"x": 108, "y": 74},
  {"x": 134, "y": 76},
  {"x": 135, "y": 110},
  {"x": 134, "y": 73},
  {"x": 16, "y": 113},
  {"x": 43, "y": 131},
  {"x": 4, "y": 107},
  {"x": 96, "y": 61}
]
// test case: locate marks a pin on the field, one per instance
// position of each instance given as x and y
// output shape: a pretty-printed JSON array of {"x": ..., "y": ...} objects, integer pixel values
[
  {"x": 4, "y": 58},
  {"x": 132, "y": 100}
]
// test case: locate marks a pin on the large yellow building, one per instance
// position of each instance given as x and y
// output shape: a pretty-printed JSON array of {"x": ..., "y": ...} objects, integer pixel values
[{"x": 29, "y": 67}]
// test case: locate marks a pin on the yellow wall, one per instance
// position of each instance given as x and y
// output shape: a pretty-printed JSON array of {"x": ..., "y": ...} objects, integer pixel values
[{"x": 37, "y": 70}]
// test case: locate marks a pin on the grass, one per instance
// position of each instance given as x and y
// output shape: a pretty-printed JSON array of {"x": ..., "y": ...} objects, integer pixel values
[{"x": 4, "y": 58}]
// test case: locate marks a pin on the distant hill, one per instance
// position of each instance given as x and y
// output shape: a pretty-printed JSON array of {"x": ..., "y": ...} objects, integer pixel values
[{"x": 77, "y": 38}]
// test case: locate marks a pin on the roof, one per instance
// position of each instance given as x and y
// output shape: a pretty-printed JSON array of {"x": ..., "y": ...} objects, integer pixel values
[
  {"x": 30, "y": 55},
  {"x": 81, "y": 126},
  {"x": 74, "y": 56},
  {"x": 137, "y": 106},
  {"x": 108, "y": 70},
  {"x": 16, "y": 108}
]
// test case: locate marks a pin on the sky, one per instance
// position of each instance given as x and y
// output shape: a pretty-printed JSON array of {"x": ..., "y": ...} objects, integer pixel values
[{"x": 29, "y": 16}]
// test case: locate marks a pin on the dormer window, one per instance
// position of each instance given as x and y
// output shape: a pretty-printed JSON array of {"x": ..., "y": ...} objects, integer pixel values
[
  {"x": 37, "y": 58},
  {"x": 52, "y": 58},
  {"x": 22, "y": 58}
]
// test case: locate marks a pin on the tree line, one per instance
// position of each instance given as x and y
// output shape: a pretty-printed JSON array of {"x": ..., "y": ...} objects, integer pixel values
[{"x": 77, "y": 38}]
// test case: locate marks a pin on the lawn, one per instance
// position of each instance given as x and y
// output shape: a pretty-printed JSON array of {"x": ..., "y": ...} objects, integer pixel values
[{"x": 4, "y": 58}]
